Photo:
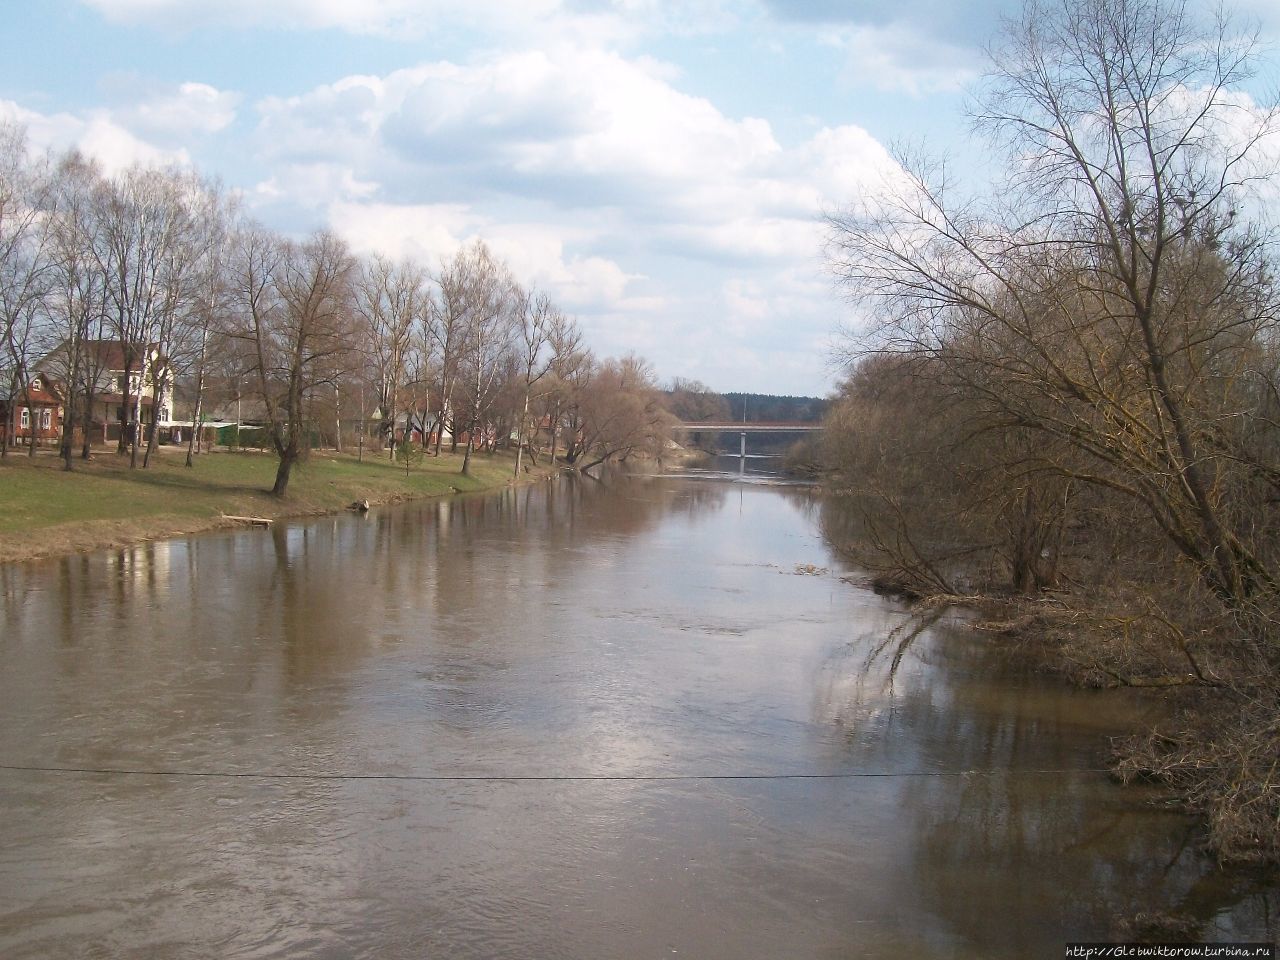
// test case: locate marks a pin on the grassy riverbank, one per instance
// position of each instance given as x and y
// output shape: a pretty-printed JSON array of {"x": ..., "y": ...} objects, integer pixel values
[{"x": 46, "y": 511}]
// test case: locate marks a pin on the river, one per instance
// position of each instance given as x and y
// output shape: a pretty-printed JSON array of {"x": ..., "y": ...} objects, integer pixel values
[{"x": 648, "y": 718}]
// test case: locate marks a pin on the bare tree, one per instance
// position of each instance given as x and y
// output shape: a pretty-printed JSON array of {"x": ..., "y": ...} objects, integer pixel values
[
  {"x": 392, "y": 300},
  {"x": 446, "y": 330},
  {"x": 571, "y": 362},
  {"x": 183, "y": 312},
  {"x": 1109, "y": 296},
  {"x": 141, "y": 216},
  {"x": 25, "y": 266},
  {"x": 621, "y": 415},
  {"x": 537, "y": 317},
  {"x": 78, "y": 304},
  {"x": 479, "y": 288},
  {"x": 216, "y": 220},
  {"x": 291, "y": 307}
]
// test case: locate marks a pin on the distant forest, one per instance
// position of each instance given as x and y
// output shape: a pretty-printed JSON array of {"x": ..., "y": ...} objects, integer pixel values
[
  {"x": 765, "y": 408},
  {"x": 694, "y": 402}
]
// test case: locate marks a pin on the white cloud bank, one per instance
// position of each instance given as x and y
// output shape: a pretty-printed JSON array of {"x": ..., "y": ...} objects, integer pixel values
[{"x": 646, "y": 209}]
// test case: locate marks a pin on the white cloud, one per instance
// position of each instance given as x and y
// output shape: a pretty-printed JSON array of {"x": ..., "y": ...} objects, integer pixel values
[
  {"x": 96, "y": 134},
  {"x": 366, "y": 16},
  {"x": 192, "y": 109},
  {"x": 428, "y": 233},
  {"x": 574, "y": 129},
  {"x": 314, "y": 186},
  {"x": 897, "y": 57},
  {"x": 155, "y": 129},
  {"x": 594, "y": 21},
  {"x": 590, "y": 173}
]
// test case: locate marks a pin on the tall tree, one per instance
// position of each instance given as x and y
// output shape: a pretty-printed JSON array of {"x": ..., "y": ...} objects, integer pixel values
[
  {"x": 621, "y": 414},
  {"x": 446, "y": 330},
  {"x": 141, "y": 218},
  {"x": 25, "y": 266},
  {"x": 78, "y": 307},
  {"x": 536, "y": 318},
  {"x": 571, "y": 363},
  {"x": 291, "y": 307},
  {"x": 480, "y": 289},
  {"x": 1111, "y": 296},
  {"x": 392, "y": 300}
]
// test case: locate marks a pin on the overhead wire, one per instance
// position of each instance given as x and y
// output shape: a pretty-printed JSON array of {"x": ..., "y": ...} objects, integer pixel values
[{"x": 539, "y": 778}]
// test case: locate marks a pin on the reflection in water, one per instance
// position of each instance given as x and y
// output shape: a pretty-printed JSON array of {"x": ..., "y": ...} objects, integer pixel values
[{"x": 450, "y": 729}]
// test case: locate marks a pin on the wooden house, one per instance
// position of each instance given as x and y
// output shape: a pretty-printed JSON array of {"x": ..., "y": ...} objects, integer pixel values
[
  {"x": 33, "y": 415},
  {"x": 102, "y": 377}
]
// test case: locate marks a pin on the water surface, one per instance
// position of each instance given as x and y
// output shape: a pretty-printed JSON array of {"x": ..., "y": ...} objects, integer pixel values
[{"x": 639, "y": 719}]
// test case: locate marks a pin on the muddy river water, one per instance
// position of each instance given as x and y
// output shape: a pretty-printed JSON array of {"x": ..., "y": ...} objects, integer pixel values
[{"x": 648, "y": 718}]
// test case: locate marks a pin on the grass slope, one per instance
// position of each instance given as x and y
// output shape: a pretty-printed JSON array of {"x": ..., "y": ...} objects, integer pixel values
[{"x": 45, "y": 510}]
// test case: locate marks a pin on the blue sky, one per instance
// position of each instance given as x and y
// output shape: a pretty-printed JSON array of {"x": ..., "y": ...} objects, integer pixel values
[{"x": 660, "y": 169}]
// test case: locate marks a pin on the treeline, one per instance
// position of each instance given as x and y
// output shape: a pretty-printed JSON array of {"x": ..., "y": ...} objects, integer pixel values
[
  {"x": 693, "y": 401},
  {"x": 1071, "y": 390},
  {"x": 768, "y": 408},
  {"x": 163, "y": 263}
]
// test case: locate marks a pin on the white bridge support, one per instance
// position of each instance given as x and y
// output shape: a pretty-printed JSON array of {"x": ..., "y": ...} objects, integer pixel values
[{"x": 742, "y": 429}]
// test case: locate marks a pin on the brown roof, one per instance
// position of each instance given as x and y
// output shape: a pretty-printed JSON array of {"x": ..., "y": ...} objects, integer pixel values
[
  {"x": 119, "y": 398},
  {"x": 47, "y": 396},
  {"x": 109, "y": 354}
]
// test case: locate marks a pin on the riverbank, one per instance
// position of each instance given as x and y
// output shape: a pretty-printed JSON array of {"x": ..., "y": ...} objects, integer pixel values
[
  {"x": 46, "y": 511},
  {"x": 1212, "y": 736}
]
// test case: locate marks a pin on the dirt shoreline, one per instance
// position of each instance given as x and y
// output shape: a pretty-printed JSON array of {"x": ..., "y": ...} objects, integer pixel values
[{"x": 48, "y": 541}]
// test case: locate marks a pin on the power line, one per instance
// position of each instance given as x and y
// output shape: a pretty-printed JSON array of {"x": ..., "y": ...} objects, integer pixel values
[{"x": 537, "y": 778}]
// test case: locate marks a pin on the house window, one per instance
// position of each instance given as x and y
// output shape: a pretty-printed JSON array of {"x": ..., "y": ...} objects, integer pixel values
[
  {"x": 36, "y": 384},
  {"x": 26, "y": 419},
  {"x": 46, "y": 419}
]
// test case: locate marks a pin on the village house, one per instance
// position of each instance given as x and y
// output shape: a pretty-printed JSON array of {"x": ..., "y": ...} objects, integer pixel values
[
  {"x": 32, "y": 415},
  {"x": 103, "y": 367}
]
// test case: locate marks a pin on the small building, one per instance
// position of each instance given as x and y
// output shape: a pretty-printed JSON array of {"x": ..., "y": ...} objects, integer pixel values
[
  {"x": 103, "y": 369},
  {"x": 33, "y": 415}
]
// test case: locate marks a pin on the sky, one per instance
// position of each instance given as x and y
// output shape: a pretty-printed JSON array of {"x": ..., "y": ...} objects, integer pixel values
[{"x": 661, "y": 170}]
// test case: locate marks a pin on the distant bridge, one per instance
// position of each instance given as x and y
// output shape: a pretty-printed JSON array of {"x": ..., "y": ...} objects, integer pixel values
[
  {"x": 742, "y": 429},
  {"x": 719, "y": 426}
]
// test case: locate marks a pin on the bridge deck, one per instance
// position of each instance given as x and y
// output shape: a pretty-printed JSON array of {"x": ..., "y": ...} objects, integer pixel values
[{"x": 722, "y": 427}]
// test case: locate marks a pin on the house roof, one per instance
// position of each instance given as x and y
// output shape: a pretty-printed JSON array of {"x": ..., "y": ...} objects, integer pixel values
[
  {"x": 108, "y": 354},
  {"x": 146, "y": 399},
  {"x": 44, "y": 398}
]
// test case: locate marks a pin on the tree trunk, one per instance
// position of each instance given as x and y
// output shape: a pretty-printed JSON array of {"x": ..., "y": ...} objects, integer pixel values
[
  {"x": 197, "y": 412},
  {"x": 337, "y": 419},
  {"x": 68, "y": 431},
  {"x": 126, "y": 404},
  {"x": 520, "y": 428},
  {"x": 287, "y": 459},
  {"x": 86, "y": 446},
  {"x": 34, "y": 421},
  {"x": 471, "y": 441},
  {"x": 153, "y": 426}
]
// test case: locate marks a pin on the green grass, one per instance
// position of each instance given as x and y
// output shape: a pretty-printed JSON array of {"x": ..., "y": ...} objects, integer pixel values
[{"x": 44, "y": 509}]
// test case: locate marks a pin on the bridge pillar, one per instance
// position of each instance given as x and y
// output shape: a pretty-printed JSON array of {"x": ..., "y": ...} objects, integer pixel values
[{"x": 742, "y": 454}]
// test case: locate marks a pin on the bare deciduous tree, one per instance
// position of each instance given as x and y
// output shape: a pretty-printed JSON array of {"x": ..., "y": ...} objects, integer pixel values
[
  {"x": 25, "y": 267},
  {"x": 392, "y": 299},
  {"x": 291, "y": 304},
  {"x": 1109, "y": 297},
  {"x": 536, "y": 319}
]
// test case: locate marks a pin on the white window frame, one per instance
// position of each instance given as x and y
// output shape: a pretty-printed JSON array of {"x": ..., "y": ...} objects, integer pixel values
[
  {"x": 26, "y": 419},
  {"x": 46, "y": 419}
]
